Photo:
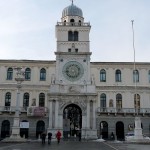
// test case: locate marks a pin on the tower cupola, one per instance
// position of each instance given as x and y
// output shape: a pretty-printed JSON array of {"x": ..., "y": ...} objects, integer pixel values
[
  {"x": 72, "y": 13},
  {"x": 72, "y": 10}
]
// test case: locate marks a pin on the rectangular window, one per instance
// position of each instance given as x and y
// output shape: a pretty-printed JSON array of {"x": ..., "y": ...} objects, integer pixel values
[
  {"x": 42, "y": 76},
  {"x": 76, "y": 50},
  {"x": 118, "y": 78},
  {"x": 27, "y": 76},
  {"x": 9, "y": 75},
  {"x": 135, "y": 76},
  {"x": 103, "y": 77}
]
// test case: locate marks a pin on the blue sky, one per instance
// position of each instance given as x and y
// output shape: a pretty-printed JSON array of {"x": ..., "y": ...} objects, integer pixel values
[{"x": 27, "y": 28}]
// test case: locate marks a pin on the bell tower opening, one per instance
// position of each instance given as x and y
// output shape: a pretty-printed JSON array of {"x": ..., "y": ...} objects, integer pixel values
[{"x": 72, "y": 121}]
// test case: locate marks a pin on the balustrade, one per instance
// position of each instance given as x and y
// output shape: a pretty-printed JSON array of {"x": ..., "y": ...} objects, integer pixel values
[
  {"x": 73, "y": 24},
  {"x": 111, "y": 110}
]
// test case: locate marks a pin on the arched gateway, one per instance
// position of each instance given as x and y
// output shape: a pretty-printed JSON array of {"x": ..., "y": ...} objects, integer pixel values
[{"x": 72, "y": 120}]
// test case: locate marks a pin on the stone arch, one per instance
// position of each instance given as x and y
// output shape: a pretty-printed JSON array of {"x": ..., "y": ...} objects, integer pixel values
[
  {"x": 72, "y": 120},
  {"x": 82, "y": 105}
]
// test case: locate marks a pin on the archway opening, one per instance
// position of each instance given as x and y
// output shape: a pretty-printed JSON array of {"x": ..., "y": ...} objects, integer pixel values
[
  {"x": 24, "y": 128},
  {"x": 120, "y": 130},
  {"x": 5, "y": 129},
  {"x": 72, "y": 121},
  {"x": 40, "y": 127},
  {"x": 104, "y": 129}
]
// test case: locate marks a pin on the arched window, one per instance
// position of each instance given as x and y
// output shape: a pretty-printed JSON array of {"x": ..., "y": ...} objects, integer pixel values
[
  {"x": 72, "y": 22},
  {"x": 7, "y": 101},
  {"x": 118, "y": 101},
  {"x": 149, "y": 75},
  {"x": 135, "y": 76},
  {"x": 118, "y": 76},
  {"x": 76, "y": 36},
  {"x": 136, "y": 101},
  {"x": 9, "y": 74},
  {"x": 41, "y": 100},
  {"x": 70, "y": 36},
  {"x": 65, "y": 22},
  {"x": 42, "y": 74},
  {"x": 103, "y": 100},
  {"x": 102, "y": 75},
  {"x": 28, "y": 74},
  {"x": 79, "y": 22},
  {"x": 25, "y": 100}
]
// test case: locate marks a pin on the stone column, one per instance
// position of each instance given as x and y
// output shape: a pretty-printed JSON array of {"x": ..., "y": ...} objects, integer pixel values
[
  {"x": 88, "y": 115},
  {"x": 94, "y": 114},
  {"x": 56, "y": 114},
  {"x": 91, "y": 114},
  {"x": 53, "y": 113},
  {"x": 50, "y": 114}
]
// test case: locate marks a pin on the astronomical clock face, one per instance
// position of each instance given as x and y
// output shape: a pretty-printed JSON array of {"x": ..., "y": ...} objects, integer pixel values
[{"x": 73, "y": 71}]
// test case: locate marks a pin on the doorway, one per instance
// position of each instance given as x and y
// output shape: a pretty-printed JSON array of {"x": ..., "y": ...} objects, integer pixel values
[
  {"x": 104, "y": 130},
  {"x": 72, "y": 121},
  {"x": 5, "y": 129},
  {"x": 120, "y": 130},
  {"x": 24, "y": 128},
  {"x": 40, "y": 127}
]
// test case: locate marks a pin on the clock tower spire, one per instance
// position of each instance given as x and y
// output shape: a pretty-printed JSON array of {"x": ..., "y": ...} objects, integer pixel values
[{"x": 73, "y": 52}]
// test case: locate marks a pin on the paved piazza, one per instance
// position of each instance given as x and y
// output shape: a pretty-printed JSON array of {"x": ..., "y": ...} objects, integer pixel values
[{"x": 74, "y": 145}]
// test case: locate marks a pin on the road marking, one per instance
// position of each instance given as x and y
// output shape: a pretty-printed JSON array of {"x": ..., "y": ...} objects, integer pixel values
[{"x": 110, "y": 146}]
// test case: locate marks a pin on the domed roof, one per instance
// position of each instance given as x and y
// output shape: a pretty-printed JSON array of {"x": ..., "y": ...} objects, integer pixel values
[{"x": 72, "y": 10}]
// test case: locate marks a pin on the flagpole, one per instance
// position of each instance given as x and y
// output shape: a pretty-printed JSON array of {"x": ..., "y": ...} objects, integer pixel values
[{"x": 134, "y": 72}]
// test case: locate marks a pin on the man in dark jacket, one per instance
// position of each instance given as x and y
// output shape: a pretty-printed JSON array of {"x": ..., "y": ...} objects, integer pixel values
[
  {"x": 49, "y": 137},
  {"x": 43, "y": 136}
]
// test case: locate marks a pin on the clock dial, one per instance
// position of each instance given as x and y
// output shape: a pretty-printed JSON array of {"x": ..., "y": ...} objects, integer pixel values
[{"x": 73, "y": 71}]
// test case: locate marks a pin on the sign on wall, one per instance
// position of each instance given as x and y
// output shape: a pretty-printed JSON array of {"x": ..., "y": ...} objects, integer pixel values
[
  {"x": 39, "y": 111},
  {"x": 36, "y": 111},
  {"x": 24, "y": 124}
]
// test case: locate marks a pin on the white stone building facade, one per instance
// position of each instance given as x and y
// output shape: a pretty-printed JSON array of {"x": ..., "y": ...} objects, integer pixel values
[{"x": 73, "y": 94}]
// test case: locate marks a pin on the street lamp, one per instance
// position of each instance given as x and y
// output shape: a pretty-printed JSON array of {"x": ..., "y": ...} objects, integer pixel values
[{"x": 15, "y": 136}]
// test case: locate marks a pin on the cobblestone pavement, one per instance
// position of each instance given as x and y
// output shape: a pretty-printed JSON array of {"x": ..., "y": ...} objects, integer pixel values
[{"x": 74, "y": 145}]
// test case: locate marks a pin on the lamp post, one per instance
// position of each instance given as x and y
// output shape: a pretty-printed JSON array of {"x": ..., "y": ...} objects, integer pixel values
[{"x": 15, "y": 136}]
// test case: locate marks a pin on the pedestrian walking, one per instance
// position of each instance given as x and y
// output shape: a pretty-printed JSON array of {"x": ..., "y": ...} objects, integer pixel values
[
  {"x": 43, "y": 136},
  {"x": 49, "y": 137},
  {"x": 58, "y": 136}
]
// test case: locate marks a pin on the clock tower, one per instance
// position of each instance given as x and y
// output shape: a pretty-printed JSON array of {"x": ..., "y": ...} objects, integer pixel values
[{"x": 72, "y": 85}]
